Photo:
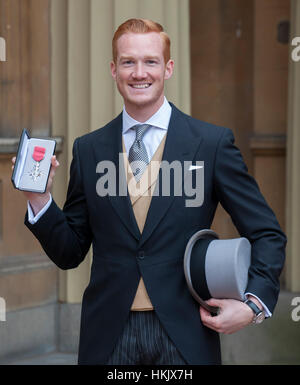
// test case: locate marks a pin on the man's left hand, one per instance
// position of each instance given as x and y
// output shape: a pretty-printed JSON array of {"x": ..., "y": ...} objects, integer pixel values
[{"x": 233, "y": 315}]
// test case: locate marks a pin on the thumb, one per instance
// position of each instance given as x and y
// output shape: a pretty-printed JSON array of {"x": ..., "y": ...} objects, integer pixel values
[
  {"x": 215, "y": 302},
  {"x": 54, "y": 161}
]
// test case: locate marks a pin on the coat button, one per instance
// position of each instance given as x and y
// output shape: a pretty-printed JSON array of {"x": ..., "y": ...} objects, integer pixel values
[{"x": 141, "y": 254}]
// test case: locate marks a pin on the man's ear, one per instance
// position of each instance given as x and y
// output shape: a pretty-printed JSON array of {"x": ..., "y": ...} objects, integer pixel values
[
  {"x": 169, "y": 69},
  {"x": 113, "y": 69}
]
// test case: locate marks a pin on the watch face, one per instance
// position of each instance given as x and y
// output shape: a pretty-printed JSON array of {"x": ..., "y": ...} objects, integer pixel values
[{"x": 259, "y": 318}]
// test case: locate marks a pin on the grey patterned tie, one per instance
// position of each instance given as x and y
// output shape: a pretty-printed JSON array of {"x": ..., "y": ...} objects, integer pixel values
[{"x": 138, "y": 153}]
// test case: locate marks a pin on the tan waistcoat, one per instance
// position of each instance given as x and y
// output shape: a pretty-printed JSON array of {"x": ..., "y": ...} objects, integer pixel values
[{"x": 140, "y": 195}]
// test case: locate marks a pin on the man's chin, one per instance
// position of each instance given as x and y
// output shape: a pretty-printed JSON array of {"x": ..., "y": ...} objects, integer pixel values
[
  {"x": 141, "y": 102},
  {"x": 145, "y": 100}
]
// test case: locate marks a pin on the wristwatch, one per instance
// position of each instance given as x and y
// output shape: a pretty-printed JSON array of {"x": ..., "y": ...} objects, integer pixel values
[{"x": 259, "y": 315}]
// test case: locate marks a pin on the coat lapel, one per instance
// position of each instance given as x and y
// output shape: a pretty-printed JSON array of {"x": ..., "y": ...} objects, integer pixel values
[
  {"x": 181, "y": 145},
  {"x": 108, "y": 147}
]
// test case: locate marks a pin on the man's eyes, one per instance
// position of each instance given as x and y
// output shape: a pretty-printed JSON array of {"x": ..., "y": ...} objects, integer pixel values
[
  {"x": 131, "y": 62},
  {"x": 151, "y": 62},
  {"x": 127, "y": 62}
]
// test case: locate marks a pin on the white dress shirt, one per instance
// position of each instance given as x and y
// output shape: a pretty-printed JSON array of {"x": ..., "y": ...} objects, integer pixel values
[
  {"x": 154, "y": 135},
  {"x": 152, "y": 138}
]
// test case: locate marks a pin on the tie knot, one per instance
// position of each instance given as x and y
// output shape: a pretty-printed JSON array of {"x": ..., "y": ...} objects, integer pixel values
[{"x": 140, "y": 130}]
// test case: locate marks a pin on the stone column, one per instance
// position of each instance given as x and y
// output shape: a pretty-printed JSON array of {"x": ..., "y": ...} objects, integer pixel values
[
  {"x": 270, "y": 87},
  {"x": 293, "y": 161}
]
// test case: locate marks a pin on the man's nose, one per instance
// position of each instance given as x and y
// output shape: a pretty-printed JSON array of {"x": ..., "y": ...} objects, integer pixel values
[{"x": 139, "y": 71}]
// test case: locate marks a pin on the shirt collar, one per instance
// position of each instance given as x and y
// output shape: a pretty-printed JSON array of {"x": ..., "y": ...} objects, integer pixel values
[{"x": 160, "y": 119}]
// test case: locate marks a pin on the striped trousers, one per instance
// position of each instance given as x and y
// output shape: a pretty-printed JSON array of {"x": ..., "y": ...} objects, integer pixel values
[{"x": 144, "y": 342}]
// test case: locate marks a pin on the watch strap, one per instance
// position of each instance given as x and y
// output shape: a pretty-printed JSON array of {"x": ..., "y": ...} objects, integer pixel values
[{"x": 256, "y": 310}]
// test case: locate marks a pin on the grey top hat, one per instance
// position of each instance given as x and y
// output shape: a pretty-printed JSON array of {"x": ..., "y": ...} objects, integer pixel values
[{"x": 216, "y": 267}]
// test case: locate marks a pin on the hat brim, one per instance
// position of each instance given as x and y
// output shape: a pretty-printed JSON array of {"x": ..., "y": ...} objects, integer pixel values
[
  {"x": 207, "y": 235},
  {"x": 216, "y": 268}
]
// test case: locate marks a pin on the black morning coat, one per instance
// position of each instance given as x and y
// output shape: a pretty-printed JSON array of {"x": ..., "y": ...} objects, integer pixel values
[{"x": 121, "y": 254}]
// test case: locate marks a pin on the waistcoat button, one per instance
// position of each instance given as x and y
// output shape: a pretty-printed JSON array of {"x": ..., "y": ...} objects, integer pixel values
[{"x": 141, "y": 254}]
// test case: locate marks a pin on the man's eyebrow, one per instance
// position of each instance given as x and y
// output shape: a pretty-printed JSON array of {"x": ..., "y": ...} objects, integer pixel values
[
  {"x": 152, "y": 57},
  {"x": 132, "y": 58},
  {"x": 126, "y": 57}
]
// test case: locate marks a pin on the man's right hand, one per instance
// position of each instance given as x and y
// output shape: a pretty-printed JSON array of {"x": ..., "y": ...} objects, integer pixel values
[{"x": 37, "y": 200}]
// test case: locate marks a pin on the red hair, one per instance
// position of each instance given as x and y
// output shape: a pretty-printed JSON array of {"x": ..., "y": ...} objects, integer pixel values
[{"x": 141, "y": 26}]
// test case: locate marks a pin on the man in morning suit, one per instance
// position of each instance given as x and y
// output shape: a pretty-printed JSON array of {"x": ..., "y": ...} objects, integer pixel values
[{"x": 137, "y": 308}]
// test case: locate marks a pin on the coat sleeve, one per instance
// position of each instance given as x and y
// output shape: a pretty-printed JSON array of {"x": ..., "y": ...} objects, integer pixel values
[
  {"x": 65, "y": 235},
  {"x": 240, "y": 196}
]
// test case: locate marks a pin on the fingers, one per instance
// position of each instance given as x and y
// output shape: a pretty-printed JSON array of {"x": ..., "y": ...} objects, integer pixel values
[
  {"x": 213, "y": 322},
  {"x": 54, "y": 165},
  {"x": 13, "y": 160},
  {"x": 54, "y": 161},
  {"x": 208, "y": 320},
  {"x": 204, "y": 314},
  {"x": 215, "y": 302}
]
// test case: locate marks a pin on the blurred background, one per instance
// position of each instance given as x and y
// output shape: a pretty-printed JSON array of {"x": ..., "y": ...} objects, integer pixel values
[{"x": 233, "y": 67}]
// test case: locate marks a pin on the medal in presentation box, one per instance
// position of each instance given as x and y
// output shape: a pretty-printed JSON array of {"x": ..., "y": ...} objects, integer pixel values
[{"x": 33, "y": 163}]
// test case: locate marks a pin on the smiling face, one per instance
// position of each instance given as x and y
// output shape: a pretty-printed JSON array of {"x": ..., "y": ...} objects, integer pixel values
[{"x": 140, "y": 72}]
